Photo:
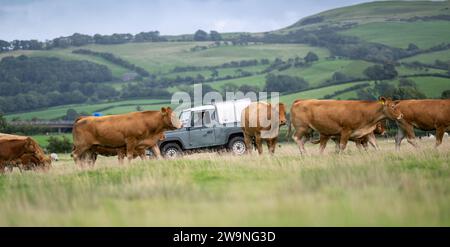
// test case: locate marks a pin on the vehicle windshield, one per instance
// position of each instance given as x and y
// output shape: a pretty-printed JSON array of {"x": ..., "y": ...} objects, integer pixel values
[{"x": 184, "y": 118}]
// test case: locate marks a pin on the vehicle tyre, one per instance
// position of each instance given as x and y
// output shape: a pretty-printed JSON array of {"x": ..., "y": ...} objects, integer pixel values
[
  {"x": 237, "y": 145},
  {"x": 172, "y": 150}
]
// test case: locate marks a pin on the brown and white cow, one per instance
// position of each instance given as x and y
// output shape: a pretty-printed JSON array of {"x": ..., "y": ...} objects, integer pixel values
[
  {"x": 14, "y": 150},
  {"x": 364, "y": 141},
  {"x": 125, "y": 130},
  {"x": 425, "y": 115},
  {"x": 344, "y": 118},
  {"x": 261, "y": 121}
]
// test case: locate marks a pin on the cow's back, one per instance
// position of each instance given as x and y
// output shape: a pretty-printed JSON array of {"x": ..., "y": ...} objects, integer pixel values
[
  {"x": 425, "y": 114},
  {"x": 257, "y": 115},
  {"x": 11, "y": 149},
  {"x": 332, "y": 116}
]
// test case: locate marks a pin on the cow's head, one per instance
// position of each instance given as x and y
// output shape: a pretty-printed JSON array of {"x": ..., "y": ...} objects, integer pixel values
[
  {"x": 30, "y": 145},
  {"x": 390, "y": 108},
  {"x": 380, "y": 128},
  {"x": 170, "y": 119},
  {"x": 282, "y": 113},
  {"x": 46, "y": 162},
  {"x": 162, "y": 137}
]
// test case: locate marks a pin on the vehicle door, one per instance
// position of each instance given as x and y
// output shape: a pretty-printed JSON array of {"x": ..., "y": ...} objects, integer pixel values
[{"x": 201, "y": 133}]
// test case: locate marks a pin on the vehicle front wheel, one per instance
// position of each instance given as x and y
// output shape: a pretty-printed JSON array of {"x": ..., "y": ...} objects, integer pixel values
[
  {"x": 237, "y": 145},
  {"x": 172, "y": 150}
]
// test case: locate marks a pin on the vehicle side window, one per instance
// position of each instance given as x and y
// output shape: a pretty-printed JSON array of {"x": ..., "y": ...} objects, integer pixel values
[
  {"x": 203, "y": 118},
  {"x": 211, "y": 118},
  {"x": 184, "y": 118},
  {"x": 197, "y": 119},
  {"x": 206, "y": 118}
]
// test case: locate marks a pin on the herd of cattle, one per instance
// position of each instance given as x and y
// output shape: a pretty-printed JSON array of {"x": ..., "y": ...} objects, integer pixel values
[{"x": 129, "y": 135}]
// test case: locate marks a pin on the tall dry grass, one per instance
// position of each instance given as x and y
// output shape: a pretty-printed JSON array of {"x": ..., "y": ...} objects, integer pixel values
[{"x": 380, "y": 188}]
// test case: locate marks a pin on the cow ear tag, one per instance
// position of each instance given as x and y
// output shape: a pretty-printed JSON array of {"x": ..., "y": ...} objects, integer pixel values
[{"x": 381, "y": 102}]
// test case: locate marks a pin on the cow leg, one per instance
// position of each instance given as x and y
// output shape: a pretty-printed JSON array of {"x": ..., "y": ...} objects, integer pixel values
[
  {"x": 87, "y": 158},
  {"x": 439, "y": 135},
  {"x": 271, "y": 145},
  {"x": 411, "y": 137},
  {"x": 92, "y": 158},
  {"x": 360, "y": 145},
  {"x": 79, "y": 155},
  {"x": 372, "y": 140},
  {"x": 408, "y": 131},
  {"x": 323, "y": 142},
  {"x": 131, "y": 146},
  {"x": 156, "y": 151},
  {"x": 121, "y": 154},
  {"x": 399, "y": 137},
  {"x": 365, "y": 145},
  {"x": 345, "y": 135},
  {"x": 258, "y": 142},
  {"x": 336, "y": 144},
  {"x": 142, "y": 154},
  {"x": 248, "y": 140},
  {"x": 300, "y": 138}
]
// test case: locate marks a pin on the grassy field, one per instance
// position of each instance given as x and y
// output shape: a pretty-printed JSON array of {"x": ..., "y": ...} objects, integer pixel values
[
  {"x": 323, "y": 70},
  {"x": 67, "y": 54},
  {"x": 316, "y": 93},
  {"x": 375, "y": 188},
  {"x": 429, "y": 58},
  {"x": 400, "y": 34},
  {"x": 432, "y": 86},
  {"x": 43, "y": 139},
  {"x": 164, "y": 56}
]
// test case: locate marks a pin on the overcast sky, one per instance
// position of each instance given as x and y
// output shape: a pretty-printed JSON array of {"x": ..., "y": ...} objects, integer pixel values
[{"x": 47, "y": 19}]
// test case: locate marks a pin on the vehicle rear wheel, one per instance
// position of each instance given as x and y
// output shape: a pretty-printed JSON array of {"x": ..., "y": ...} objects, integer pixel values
[
  {"x": 237, "y": 145},
  {"x": 172, "y": 150}
]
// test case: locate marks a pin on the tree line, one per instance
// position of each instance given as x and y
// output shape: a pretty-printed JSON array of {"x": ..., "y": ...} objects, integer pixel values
[
  {"x": 115, "y": 60},
  {"x": 406, "y": 89},
  {"x": 78, "y": 39},
  {"x": 28, "y": 83}
]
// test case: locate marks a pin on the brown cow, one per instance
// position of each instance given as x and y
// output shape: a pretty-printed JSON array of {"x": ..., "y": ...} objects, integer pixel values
[
  {"x": 346, "y": 118},
  {"x": 121, "y": 152},
  {"x": 425, "y": 115},
  {"x": 125, "y": 130},
  {"x": 257, "y": 122},
  {"x": 14, "y": 148},
  {"x": 29, "y": 162},
  {"x": 360, "y": 142}
]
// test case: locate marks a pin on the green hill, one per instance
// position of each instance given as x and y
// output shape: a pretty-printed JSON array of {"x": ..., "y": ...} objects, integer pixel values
[
  {"x": 372, "y": 12},
  {"x": 401, "y": 34},
  {"x": 392, "y": 25}
]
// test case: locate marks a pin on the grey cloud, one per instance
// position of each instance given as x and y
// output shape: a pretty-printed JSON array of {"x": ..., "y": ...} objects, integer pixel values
[{"x": 46, "y": 19}]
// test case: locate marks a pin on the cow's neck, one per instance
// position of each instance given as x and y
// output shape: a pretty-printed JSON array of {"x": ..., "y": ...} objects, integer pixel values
[
  {"x": 376, "y": 113},
  {"x": 159, "y": 126}
]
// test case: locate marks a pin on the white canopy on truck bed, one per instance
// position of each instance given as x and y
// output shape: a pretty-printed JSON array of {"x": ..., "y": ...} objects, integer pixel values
[{"x": 230, "y": 111}]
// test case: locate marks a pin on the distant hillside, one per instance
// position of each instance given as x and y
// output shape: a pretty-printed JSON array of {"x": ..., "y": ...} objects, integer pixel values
[{"x": 379, "y": 11}]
